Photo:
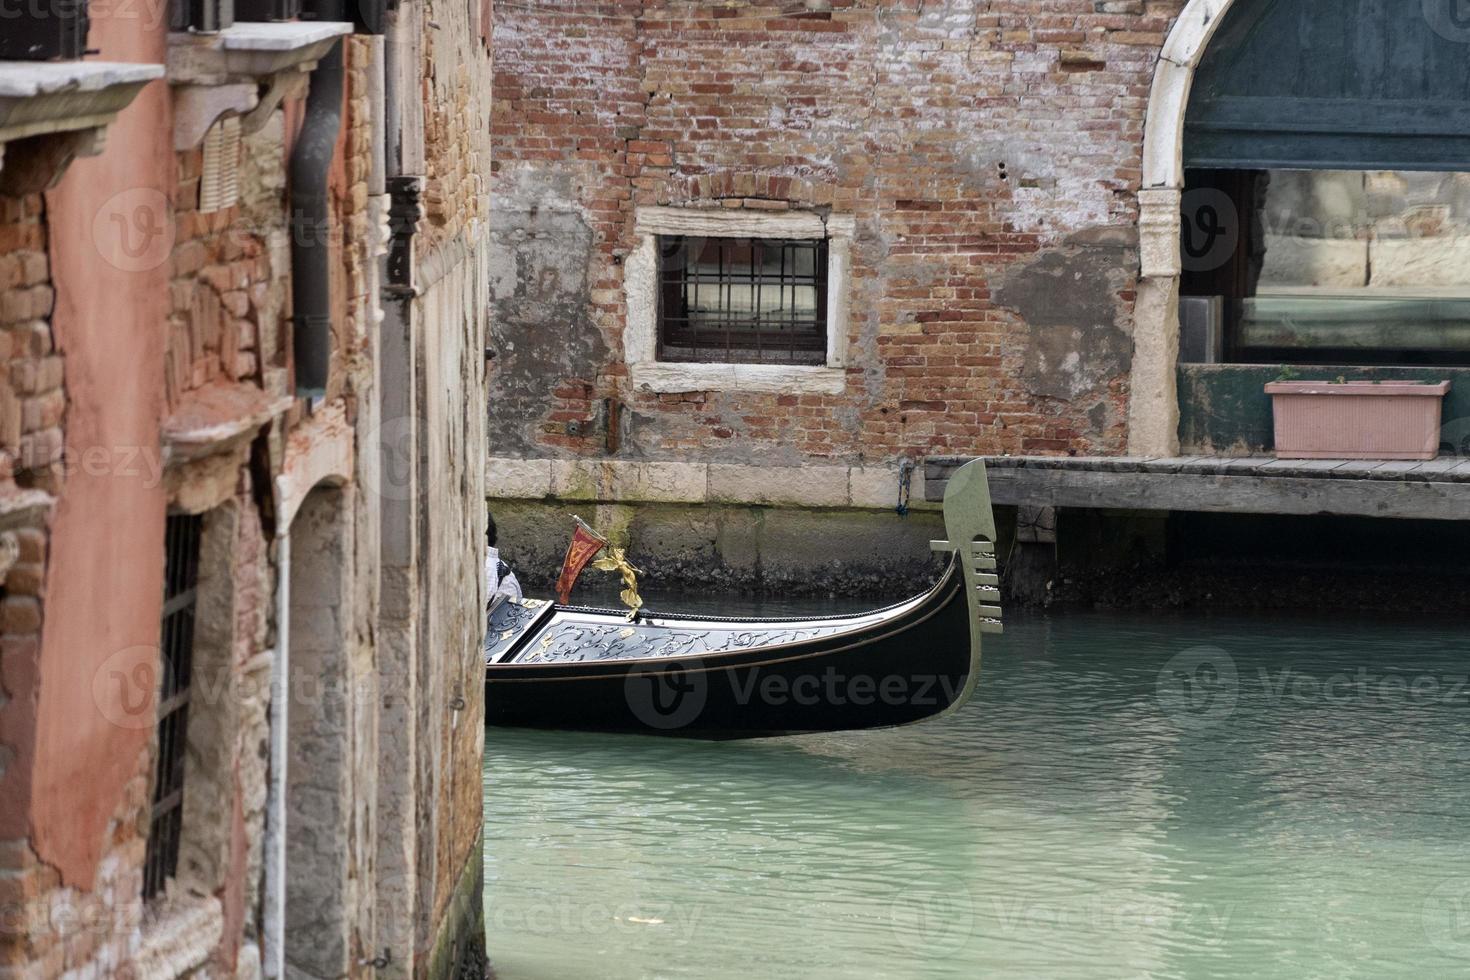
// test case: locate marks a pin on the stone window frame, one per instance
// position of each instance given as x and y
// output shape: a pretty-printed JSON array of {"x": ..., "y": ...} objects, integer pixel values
[{"x": 640, "y": 288}]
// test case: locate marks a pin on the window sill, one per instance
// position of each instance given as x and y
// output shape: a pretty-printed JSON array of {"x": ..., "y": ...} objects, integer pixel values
[
  {"x": 782, "y": 379},
  {"x": 73, "y": 101},
  {"x": 217, "y": 418},
  {"x": 220, "y": 73},
  {"x": 249, "y": 51}
]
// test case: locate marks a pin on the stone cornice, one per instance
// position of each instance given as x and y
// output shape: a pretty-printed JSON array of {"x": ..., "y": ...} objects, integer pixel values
[{"x": 70, "y": 103}]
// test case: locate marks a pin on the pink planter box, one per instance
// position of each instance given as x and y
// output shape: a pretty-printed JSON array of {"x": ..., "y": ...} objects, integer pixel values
[{"x": 1357, "y": 420}]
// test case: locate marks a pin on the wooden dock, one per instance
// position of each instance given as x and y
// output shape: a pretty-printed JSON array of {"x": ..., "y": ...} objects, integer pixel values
[{"x": 1435, "y": 490}]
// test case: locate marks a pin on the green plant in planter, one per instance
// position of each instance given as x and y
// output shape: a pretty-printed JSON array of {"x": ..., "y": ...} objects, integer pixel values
[{"x": 1288, "y": 373}]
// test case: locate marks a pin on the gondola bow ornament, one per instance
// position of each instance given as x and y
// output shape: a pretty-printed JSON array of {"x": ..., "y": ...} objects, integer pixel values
[
  {"x": 617, "y": 561},
  {"x": 584, "y": 546}
]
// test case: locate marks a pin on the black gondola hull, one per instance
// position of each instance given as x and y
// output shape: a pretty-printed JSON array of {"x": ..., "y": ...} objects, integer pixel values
[
  {"x": 706, "y": 677},
  {"x": 893, "y": 672}
]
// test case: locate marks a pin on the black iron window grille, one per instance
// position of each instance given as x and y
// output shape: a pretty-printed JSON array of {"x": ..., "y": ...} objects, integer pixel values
[
  {"x": 43, "y": 30},
  {"x": 205, "y": 16},
  {"x": 165, "y": 822},
  {"x": 742, "y": 300}
]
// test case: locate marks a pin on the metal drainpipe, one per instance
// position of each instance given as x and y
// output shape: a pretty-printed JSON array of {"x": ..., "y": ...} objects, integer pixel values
[
  {"x": 311, "y": 163},
  {"x": 275, "y": 821}
]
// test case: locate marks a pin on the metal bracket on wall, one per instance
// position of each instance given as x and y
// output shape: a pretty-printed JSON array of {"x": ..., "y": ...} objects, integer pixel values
[{"x": 405, "y": 211}]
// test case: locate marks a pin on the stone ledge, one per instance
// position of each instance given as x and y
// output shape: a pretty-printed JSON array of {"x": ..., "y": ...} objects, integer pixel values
[
  {"x": 667, "y": 377},
  {"x": 214, "y": 418},
  {"x": 219, "y": 74},
  {"x": 635, "y": 481},
  {"x": 182, "y": 938},
  {"x": 20, "y": 506},
  {"x": 249, "y": 51},
  {"x": 73, "y": 101}
]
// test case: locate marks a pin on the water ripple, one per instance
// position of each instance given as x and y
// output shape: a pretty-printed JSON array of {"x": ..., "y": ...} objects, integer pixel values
[{"x": 1126, "y": 796}]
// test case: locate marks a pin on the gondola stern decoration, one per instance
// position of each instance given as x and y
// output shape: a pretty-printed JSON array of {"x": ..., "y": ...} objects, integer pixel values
[
  {"x": 584, "y": 546},
  {"x": 969, "y": 520}
]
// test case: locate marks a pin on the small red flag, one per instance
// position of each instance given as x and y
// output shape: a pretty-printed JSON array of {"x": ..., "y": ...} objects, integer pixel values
[{"x": 585, "y": 545}]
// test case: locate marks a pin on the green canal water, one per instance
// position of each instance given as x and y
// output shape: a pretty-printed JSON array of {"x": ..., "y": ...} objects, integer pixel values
[{"x": 1126, "y": 796}]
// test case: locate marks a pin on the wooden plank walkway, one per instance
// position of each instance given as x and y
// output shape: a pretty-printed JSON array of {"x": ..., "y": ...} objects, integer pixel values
[{"x": 1438, "y": 489}]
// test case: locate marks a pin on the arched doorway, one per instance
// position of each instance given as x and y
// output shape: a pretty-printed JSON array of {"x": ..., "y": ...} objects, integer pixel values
[
  {"x": 319, "y": 810},
  {"x": 1290, "y": 107}
]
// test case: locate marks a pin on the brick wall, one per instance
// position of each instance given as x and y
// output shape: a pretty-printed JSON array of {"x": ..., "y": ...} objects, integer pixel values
[
  {"x": 219, "y": 294},
  {"x": 989, "y": 152},
  {"x": 31, "y": 413},
  {"x": 31, "y": 399}
]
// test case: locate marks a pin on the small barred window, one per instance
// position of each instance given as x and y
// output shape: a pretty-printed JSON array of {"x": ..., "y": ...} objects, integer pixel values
[
  {"x": 165, "y": 822},
  {"x": 742, "y": 300}
]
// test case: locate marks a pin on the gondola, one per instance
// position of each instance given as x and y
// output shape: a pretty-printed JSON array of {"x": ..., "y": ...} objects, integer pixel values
[{"x": 570, "y": 667}]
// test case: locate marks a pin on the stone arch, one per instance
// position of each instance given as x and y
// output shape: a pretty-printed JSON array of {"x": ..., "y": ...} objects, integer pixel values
[
  {"x": 1153, "y": 409},
  {"x": 321, "y": 722}
]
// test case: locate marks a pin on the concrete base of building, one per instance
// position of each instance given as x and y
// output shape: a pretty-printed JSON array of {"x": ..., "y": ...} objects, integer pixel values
[
  {"x": 458, "y": 952},
  {"x": 732, "y": 548}
]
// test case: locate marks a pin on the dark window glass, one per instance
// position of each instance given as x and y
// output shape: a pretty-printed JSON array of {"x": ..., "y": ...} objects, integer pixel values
[
  {"x": 747, "y": 300},
  {"x": 1333, "y": 266},
  {"x": 165, "y": 823}
]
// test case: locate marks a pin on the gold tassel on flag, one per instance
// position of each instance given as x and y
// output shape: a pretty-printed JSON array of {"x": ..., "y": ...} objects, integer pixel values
[{"x": 617, "y": 561}]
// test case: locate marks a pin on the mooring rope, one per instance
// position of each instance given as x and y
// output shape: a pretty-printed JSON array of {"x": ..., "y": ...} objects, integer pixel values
[{"x": 905, "y": 477}]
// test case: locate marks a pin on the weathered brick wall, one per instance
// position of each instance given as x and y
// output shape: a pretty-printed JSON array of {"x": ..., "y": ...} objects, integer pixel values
[
  {"x": 457, "y": 86},
  {"x": 989, "y": 152},
  {"x": 32, "y": 402},
  {"x": 31, "y": 414},
  {"x": 221, "y": 276}
]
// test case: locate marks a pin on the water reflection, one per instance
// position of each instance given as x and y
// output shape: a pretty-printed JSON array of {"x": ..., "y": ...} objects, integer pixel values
[{"x": 1125, "y": 796}]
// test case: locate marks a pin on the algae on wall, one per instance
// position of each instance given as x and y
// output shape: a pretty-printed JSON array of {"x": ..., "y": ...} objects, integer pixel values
[{"x": 791, "y": 551}]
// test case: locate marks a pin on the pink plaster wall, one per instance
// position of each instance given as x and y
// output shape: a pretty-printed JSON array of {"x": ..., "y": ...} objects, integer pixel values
[{"x": 107, "y": 532}]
